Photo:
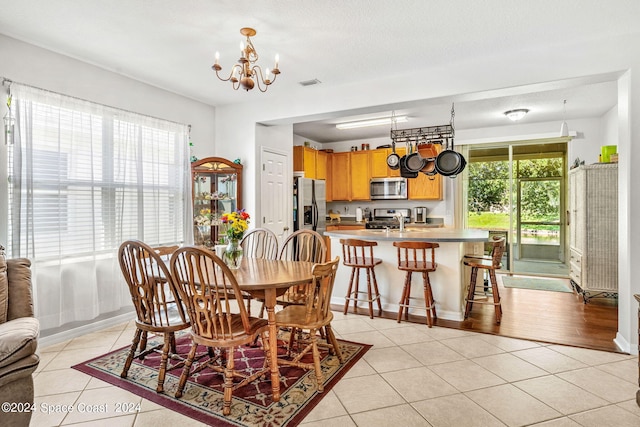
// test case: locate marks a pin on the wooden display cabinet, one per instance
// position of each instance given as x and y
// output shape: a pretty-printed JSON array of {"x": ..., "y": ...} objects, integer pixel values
[{"x": 217, "y": 188}]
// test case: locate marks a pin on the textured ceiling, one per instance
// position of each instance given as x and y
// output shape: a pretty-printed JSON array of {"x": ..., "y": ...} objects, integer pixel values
[{"x": 171, "y": 44}]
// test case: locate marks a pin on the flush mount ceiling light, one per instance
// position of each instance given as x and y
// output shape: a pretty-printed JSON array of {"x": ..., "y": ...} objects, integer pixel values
[
  {"x": 372, "y": 122},
  {"x": 246, "y": 70},
  {"x": 517, "y": 114}
]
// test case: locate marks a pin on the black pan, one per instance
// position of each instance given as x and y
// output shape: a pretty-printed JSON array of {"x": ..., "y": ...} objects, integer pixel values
[
  {"x": 450, "y": 163},
  {"x": 404, "y": 171},
  {"x": 414, "y": 162}
]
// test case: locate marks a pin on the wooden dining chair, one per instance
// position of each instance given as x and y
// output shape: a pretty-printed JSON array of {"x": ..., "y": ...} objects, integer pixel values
[
  {"x": 218, "y": 319},
  {"x": 260, "y": 243},
  {"x": 301, "y": 245},
  {"x": 314, "y": 315},
  {"x": 165, "y": 252},
  {"x": 157, "y": 303}
]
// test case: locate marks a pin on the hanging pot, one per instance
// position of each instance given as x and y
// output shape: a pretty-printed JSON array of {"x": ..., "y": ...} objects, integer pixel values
[
  {"x": 393, "y": 160},
  {"x": 449, "y": 162},
  {"x": 429, "y": 153},
  {"x": 404, "y": 171},
  {"x": 414, "y": 162}
]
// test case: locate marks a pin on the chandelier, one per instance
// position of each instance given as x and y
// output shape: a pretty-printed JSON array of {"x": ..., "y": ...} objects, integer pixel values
[{"x": 246, "y": 72}]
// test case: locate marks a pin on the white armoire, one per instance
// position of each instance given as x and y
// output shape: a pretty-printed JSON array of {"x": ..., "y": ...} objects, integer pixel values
[{"x": 593, "y": 229}]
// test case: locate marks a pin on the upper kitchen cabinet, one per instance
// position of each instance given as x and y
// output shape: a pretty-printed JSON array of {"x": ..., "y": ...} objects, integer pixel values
[
  {"x": 341, "y": 176},
  {"x": 425, "y": 187},
  {"x": 217, "y": 188},
  {"x": 360, "y": 174},
  {"x": 379, "y": 167},
  {"x": 311, "y": 162},
  {"x": 322, "y": 160}
]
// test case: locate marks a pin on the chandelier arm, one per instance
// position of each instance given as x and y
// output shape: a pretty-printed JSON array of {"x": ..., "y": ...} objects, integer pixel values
[
  {"x": 257, "y": 71},
  {"x": 233, "y": 69}
]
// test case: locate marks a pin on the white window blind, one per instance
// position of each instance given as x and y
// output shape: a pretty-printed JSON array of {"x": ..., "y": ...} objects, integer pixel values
[{"x": 84, "y": 178}]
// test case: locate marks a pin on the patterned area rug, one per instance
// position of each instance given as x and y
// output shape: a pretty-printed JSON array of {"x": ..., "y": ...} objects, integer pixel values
[
  {"x": 557, "y": 285},
  {"x": 203, "y": 396}
]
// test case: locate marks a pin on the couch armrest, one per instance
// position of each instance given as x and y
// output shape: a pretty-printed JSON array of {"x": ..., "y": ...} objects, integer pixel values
[{"x": 20, "y": 299}]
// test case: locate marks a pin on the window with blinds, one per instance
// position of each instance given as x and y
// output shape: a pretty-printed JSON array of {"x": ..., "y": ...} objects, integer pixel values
[{"x": 84, "y": 178}]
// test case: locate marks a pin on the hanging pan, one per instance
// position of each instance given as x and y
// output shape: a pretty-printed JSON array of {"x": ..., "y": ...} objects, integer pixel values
[
  {"x": 429, "y": 153},
  {"x": 405, "y": 172},
  {"x": 393, "y": 160},
  {"x": 449, "y": 162},
  {"x": 414, "y": 162}
]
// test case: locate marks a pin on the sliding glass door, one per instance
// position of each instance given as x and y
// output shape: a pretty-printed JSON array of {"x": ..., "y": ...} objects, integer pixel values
[{"x": 518, "y": 191}]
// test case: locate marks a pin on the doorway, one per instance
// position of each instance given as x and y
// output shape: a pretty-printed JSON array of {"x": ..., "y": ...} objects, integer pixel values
[{"x": 518, "y": 190}]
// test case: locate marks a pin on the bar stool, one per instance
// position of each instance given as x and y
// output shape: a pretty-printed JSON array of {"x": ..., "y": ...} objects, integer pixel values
[
  {"x": 490, "y": 263},
  {"x": 413, "y": 257},
  {"x": 356, "y": 256}
]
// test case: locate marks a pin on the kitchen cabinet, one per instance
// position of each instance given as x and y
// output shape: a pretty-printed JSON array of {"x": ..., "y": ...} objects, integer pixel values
[
  {"x": 593, "y": 229},
  {"x": 217, "y": 188},
  {"x": 360, "y": 174},
  {"x": 341, "y": 176},
  {"x": 379, "y": 168},
  {"x": 329, "y": 177},
  {"x": 425, "y": 187},
  {"x": 350, "y": 175},
  {"x": 321, "y": 164},
  {"x": 305, "y": 159}
]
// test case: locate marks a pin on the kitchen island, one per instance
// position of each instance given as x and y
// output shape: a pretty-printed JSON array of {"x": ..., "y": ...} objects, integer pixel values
[{"x": 449, "y": 281}]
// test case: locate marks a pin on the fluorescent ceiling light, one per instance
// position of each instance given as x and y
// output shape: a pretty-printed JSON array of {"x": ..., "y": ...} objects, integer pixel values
[
  {"x": 372, "y": 122},
  {"x": 516, "y": 115}
]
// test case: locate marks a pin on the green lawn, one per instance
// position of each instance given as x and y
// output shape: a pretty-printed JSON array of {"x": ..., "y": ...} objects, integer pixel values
[
  {"x": 489, "y": 221},
  {"x": 500, "y": 221}
]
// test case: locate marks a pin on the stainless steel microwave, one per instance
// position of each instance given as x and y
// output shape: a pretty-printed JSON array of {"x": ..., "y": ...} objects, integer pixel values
[{"x": 388, "y": 189}]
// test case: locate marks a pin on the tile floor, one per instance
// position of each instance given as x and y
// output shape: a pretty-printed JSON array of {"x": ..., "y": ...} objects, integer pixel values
[{"x": 413, "y": 376}]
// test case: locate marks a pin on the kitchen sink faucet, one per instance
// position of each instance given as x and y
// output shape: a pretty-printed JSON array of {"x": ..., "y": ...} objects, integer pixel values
[{"x": 400, "y": 219}]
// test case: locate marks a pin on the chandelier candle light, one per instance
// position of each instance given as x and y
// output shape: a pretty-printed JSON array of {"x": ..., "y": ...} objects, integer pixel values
[{"x": 246, "y": 70}]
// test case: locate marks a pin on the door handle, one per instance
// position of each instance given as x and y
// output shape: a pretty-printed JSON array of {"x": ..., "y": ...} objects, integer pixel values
[{"x": 285, "y": 229}]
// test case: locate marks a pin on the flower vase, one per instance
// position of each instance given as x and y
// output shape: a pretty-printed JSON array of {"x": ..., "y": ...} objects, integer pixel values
[{"x": 233, "y": 254}]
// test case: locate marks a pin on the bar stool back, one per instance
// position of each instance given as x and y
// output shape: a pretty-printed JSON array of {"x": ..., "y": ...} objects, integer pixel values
[
  {"x": 358, "y": 254},
  {"x": 490, "y": 263},
  {"x": 417, "y": 257}
]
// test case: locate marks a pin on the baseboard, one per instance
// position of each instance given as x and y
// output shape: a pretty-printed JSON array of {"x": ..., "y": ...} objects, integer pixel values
[
  {"x": 84, "y": 329},
  {"x": 624, "y": 345}
]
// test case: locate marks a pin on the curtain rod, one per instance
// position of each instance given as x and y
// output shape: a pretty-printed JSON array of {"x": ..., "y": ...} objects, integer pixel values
[{"x": 9, "y": 82}]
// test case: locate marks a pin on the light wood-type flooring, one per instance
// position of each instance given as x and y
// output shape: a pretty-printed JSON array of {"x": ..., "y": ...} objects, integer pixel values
[{"x": 544, "y": 316}]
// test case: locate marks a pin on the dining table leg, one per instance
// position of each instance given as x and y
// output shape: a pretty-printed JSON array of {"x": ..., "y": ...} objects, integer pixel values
[{"x": 270, "y": 305}]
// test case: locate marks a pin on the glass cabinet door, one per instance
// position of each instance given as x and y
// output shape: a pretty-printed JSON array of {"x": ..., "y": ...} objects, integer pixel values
[{"x": 217, "y": 189}]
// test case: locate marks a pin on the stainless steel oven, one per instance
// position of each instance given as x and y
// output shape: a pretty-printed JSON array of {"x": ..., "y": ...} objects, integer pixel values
[{"x": 388, "y": 189}]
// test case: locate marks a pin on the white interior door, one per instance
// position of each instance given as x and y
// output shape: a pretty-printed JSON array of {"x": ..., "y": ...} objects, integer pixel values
[{"x": 275, "y": 193}]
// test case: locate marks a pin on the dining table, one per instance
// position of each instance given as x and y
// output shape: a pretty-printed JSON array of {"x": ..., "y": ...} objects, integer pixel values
[{"x": 267, "y": 279}]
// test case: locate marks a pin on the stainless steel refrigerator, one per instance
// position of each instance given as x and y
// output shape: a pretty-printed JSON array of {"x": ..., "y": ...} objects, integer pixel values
[{"x": 309, "y": 204}]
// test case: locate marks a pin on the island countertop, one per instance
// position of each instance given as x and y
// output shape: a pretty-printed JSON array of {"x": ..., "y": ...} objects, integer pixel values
[
  {"x": 448, "y": 281},
  {"x": 415, "y": 233}
]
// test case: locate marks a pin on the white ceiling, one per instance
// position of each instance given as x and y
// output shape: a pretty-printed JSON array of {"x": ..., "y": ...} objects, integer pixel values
[{"x": 171, "y": 44}]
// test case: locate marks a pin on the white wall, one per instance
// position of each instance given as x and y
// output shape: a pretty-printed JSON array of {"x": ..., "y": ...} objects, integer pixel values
[
  {"x": 31, "y": 65},
  {"x": 545, "y": 67}
]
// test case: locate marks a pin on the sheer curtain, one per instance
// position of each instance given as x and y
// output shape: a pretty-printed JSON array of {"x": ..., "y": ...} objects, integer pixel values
[{"x": 83, "y": 178}]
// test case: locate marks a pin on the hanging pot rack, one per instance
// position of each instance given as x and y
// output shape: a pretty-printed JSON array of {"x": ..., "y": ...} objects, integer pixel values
[
  {"x": 447, "y": 163},
  {"x": 425, "y": 135}
]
